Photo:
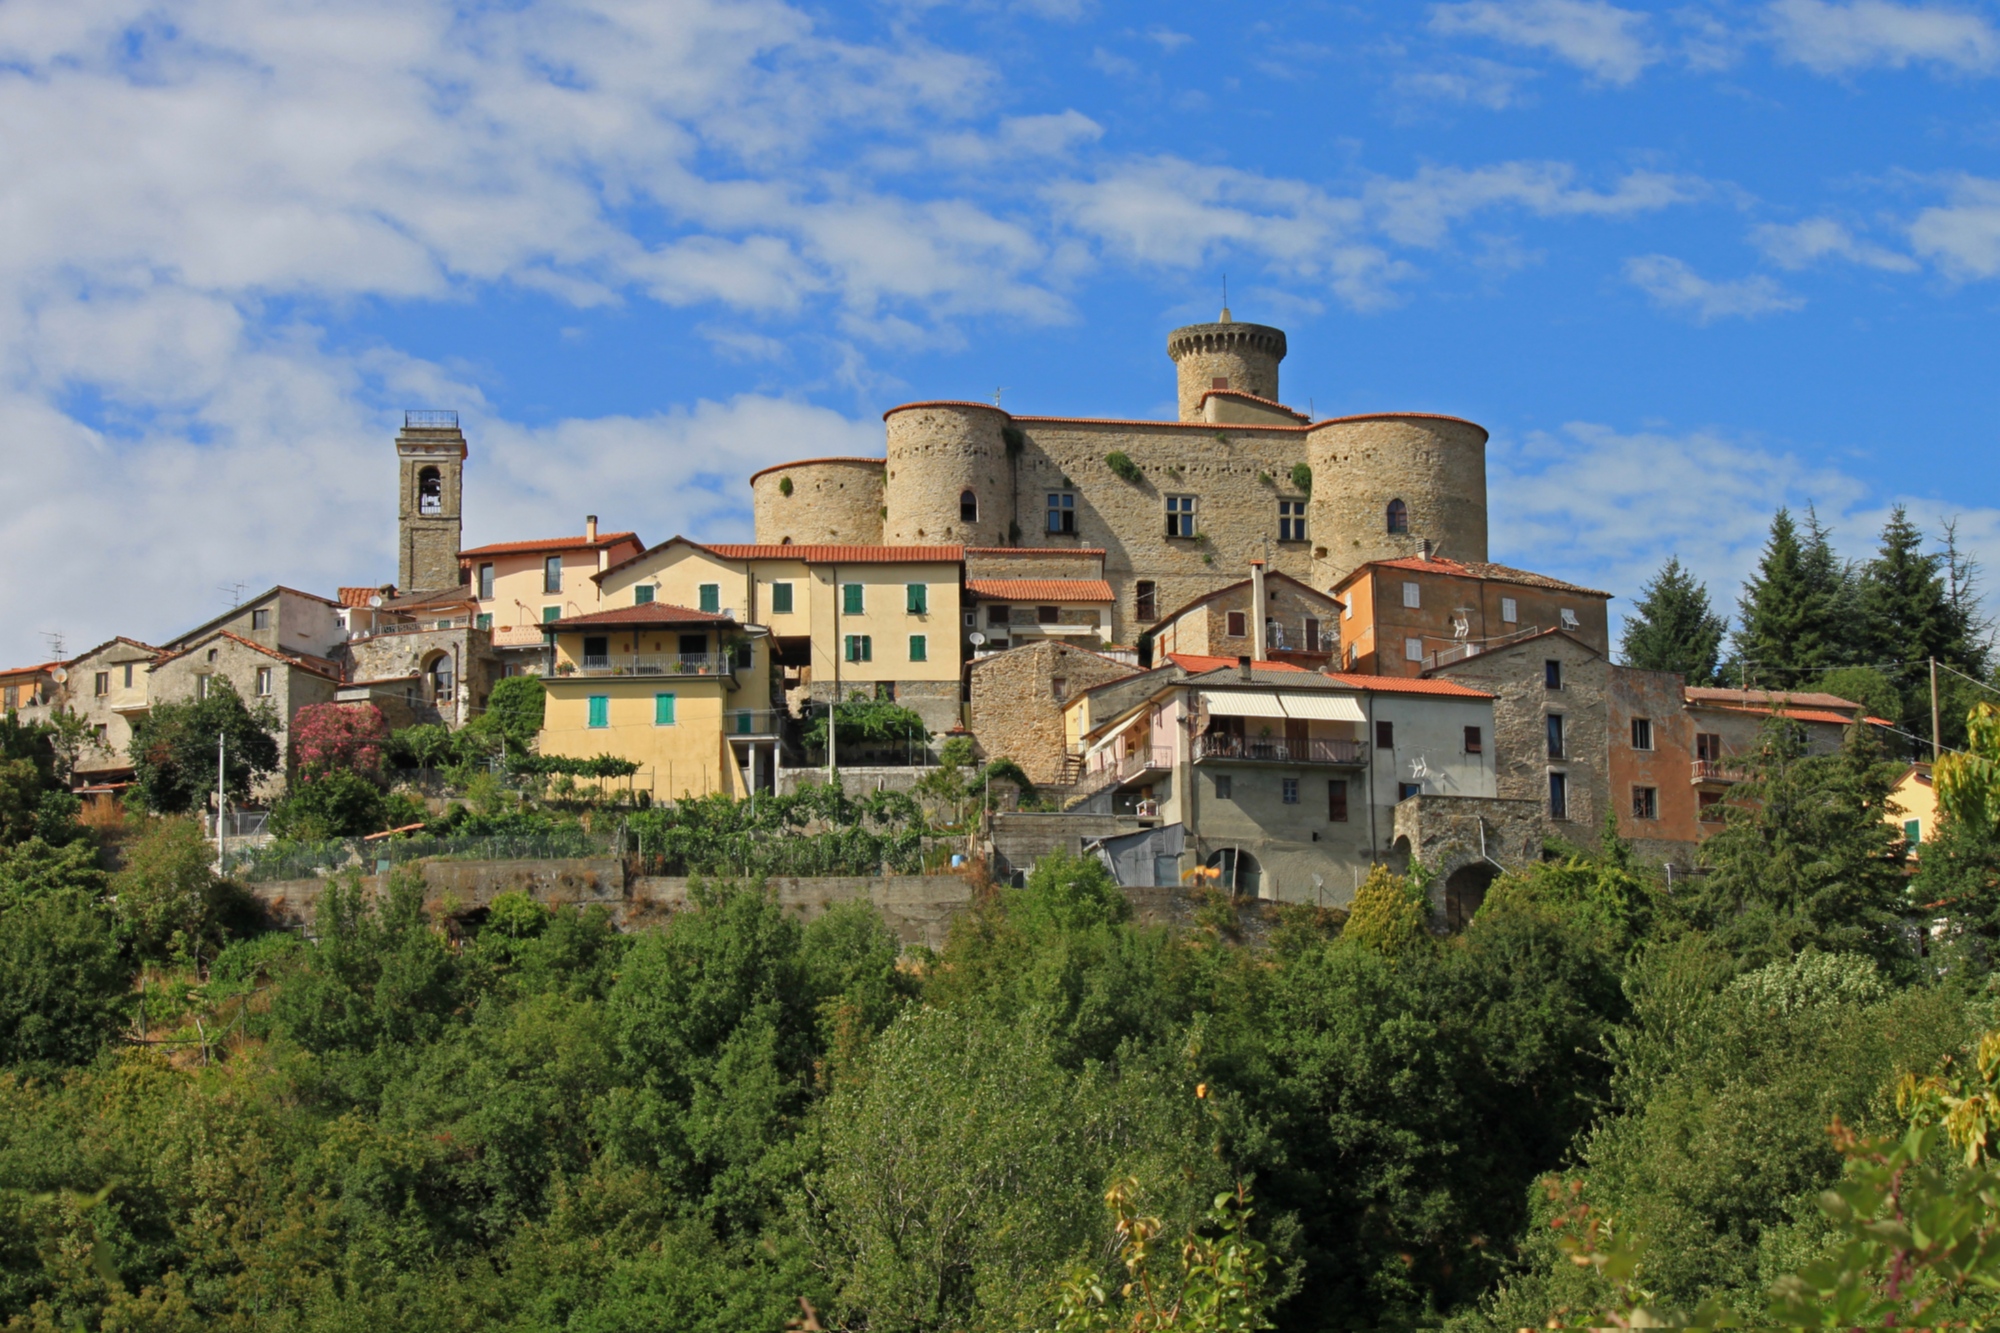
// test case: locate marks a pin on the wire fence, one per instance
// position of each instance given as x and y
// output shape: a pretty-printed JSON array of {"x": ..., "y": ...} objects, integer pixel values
[{"x": 292, "y": 861}]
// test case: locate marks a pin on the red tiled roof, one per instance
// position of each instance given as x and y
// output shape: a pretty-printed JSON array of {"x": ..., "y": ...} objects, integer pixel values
[
  {"x": 644, "y": 614},
  {"x": 1795, "y": 714},
  {"x": 1704, "y": 694},
  {"x": 553, "y": 544},
  {"x": 809, "y": 462},
  {"x": 319, "y": 666},
  {"x": 1406, "y": 685},
  {"x": 1034, "y": 550},
  {"x": 352, "y": 597},
  {"x": 29, "y": 670},
  {"x": 1197, "y": 663},
  {"x": 1209, "y": 427},
  {"x": 1042, "y": 590},
  {"x": 1482, "y": 569},
  {"x": 1248, "y": 398},
  {"x": 844, "y": 555},
  {"x": 1242, "y": 584}
]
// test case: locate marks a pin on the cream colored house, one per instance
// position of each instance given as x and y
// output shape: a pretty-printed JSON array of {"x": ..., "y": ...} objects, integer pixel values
[
  {"x": 521, "y": 586},
  {"x": 683, "y": 693},
  {"x": 1913, "y": 807},
  {"x": 875, "y": 619},
  {"x": 109, "y": 688}
]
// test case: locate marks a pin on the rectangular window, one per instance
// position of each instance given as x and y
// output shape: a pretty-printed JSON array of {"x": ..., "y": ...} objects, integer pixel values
[
  {"x": 1224, "y": 787},
  {"x": 1347, "y": 609},
  {"x": 1552, "y": 674},
  {"x": 260, "y": 620},
  {"x": 486, "y": 583},
  {"x": 1180, "y": 516},
  {"x": 916, "y": 599},
  {"x": 1413, "y": 595},
  {"x": 860, "y": 648},
  {"x": 850, "y": 599},
  {"x": 1558, "y": 796},
  {"x": 1062, "y": 511},
  {"x": 101, "y": 684},
  {"x": 1291, "y": 791},
  {"x": 1708, "y": 747},
  {"x": 1708, "y": 806},
  {"x": 711, "y": 597},
  {"x": 996, "y": 614},
  {"x": 201, "y": 686},
  {"x": 263, "y": 682},
  {"x": 1238, "y": 624},
  {"x": 1475, "y": 742},
  {"x": 691, "y": 645},
  {"x": 1312, "y": 644},
  {"x": 781, "y": 599},
  {"x": 1413, "y": 650},
  {"x": 744, "y": 723},
  {"x": 484, "y": 620},
  {"x": 1555, "y": 735},
  {"x": 1642, "y": 733},
  {"x": 552, "y": 574},
  {"x": 1145, "y": 600},
  {"x": 13, "y": 696},
  {"x": 663, "y": 710},
  {"x": 1291, "y": 520},
  {"x": 919, "y": 648},
  {"x": 1059, "y": 687},
  {"x": 1385, "y": 735},
  {"x": 600, "y": 710},
  {"x": 746, "y": 655},
  {"x": 1913, "y": 832},
  {"x": 1510, "y": 611},
  {"x": 1048, "y": 615},
  {"x": 1405, "y": 790},
  {"x": 128, "y": 675},
  {"x": 1645, "y": 803},
  {"x": 1569, "y": 619},
  {"x": 643, "y": 594},
  {"x": 1336, "y": 800},
  {"x": 551, "y": 614}
]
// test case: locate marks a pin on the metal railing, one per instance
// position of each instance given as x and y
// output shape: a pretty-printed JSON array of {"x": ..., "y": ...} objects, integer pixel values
[
  {"x": 1714, "y": 770},
  {"x": 430, "y": 418},
  {"x": 1277, "y": 751},
  {"x": 420, "y": 627},
  {"x": 1122, "y": 768},
  {"x": 1473, "y": 647},
  {"x": 292, "y": 861},
  {"x": 693, "y": 664}
]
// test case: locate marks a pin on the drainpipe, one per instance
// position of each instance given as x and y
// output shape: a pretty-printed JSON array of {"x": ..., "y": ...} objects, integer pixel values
[
  {"x": 1369, "y": 741},
  {"x": 832, "y": 740},
  {"x": 1257, "y": 613}
]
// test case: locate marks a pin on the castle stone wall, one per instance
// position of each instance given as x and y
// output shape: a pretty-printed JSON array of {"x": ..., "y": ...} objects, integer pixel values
[
  {"x": 836, "y": 501},
  {"x": 1247, "y": 355},
  {"x": 937, "y": 452},
  {"x": 1435, "y": 465}
]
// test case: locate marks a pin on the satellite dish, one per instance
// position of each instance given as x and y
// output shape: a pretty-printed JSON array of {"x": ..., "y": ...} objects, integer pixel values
[
  {"x": 376, "y": 601},
  {"x": 976, "y": 638},
  {"x": 59, "y": 675}
]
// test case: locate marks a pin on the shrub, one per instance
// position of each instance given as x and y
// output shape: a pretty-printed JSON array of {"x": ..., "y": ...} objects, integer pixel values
[
  {"x": 1302, "y": 477},
  {"x": 1122, "y": 466},
  {"x": 339, "y": 805},
  {"x": 343, "y": 737},
  {"x": 785, "y": 486}
]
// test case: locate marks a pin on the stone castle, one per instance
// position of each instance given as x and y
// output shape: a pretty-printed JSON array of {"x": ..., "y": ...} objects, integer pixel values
[{"x": 1177, "y": 508}]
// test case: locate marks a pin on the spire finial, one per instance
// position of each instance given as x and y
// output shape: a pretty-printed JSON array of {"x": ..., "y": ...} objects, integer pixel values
[{"x": 1225, "y": 300}]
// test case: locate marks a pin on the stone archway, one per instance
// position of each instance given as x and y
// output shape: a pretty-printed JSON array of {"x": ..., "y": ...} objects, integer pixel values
[{"x": 1464, "y": 890}]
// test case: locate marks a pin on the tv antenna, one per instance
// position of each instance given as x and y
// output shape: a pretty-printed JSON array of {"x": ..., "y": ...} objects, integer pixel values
[
  {"x": 233, "y": 591},
  {"x": 54, "y": 638},
  {"x": 997, "y": 391}
]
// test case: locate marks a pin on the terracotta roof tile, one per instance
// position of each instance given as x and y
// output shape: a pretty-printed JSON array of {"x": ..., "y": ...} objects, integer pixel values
[
  {"x": 1704, "y": 694},
  {"x": 646, "y": 613},
  {"x": 1034, "y": 550},
  {"x": 1406, "y": 685},
  {"x": 1042, "y": 590},
  {"x": 1483, "y": 569},
  {"x": 319, "y": 666},
  {"x": 1197, "y": 663},
  {"x": 352, "y": 597},
  {"x": 845, "y": 555},
  {"x": 1248, "y": 398},
  {"x": 553, "y": 544},
  {"x": 809, "y": 462}
]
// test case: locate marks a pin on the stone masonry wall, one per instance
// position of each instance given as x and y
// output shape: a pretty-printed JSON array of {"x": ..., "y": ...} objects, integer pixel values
[
  {"x": 1015, "y": 713},
  {"x": 1247, "y": 355},
  {"x": 391, "y": 656},
  {"x": 1435, "y": 465},
  {"x": 936, "y": 453},
  {"x": 835, "y": 501}
]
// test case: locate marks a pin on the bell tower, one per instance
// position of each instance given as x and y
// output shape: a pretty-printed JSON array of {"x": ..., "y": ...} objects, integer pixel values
[{"x": 430, "y": 464}]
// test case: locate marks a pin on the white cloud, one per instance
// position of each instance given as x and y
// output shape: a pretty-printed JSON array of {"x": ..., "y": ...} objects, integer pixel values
[
  {"x": 1675, "y": 286},
  {"x": 1601, "y": 38},
  {"x": 1473, "y": 81},
  {"x": 1963, "y": 236},
  {"x": 1833, "y": 38},
  {"x": 1167, "y": 39},
  {"x": 1803, "y": 244}
]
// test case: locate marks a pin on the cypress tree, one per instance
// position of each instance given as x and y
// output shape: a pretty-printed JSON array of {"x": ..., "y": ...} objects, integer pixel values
[
  {"x": 1905, "y": 610},
  {"x": 1674, "y": 629},
  {"x": 1790, "y": 618}
]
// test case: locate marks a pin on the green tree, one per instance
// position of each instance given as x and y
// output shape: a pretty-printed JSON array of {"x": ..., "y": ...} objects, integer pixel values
[
  {"x": 63, "y": 984},
  {"x": 513, "y": 714},
  {"x": 1791, "y": 619},
  {"x": 173, "y": 749},
  {"x": 168, "y": 895},
  {"x": 337, "y": 804},
  {"x": 1673, "y": 628}
]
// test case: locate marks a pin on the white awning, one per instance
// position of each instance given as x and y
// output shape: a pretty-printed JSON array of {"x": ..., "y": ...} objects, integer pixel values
[
  {"x": 1120, "y": 729},
  {"x": 1323, "y": 707},
  {"x": 1241, "y": 703}
]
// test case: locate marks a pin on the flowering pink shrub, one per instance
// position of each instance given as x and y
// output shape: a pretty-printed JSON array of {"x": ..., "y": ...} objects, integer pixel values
[{"x": 331, "y": 738}]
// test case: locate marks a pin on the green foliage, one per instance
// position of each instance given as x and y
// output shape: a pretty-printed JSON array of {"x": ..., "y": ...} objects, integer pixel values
[
  {"x": 1673, "y": 629},
  {"x": 1794, "y": 617},
  {"x": 339, "y": 804},
  {"x": 513, "y": 713},
  {"x": 1302, "y": 478},
  {"x": 598, "y": 766},
  {"x": 1389, "y": 914},
  {"x": 862, "y": 720},
  {"x": 169, "y": 899},
  {"x": 173, "y": 749},
  {"x": 1220, "y": 1282},
  {"x": 817, "y": 830},
  {"x": 1016, "y": 440},
  {"x": 785, "y": 487},
  {"x": 1123, "y": 467},
  {"x": 1868, "y": 687},
  {"x": 63, "y": 983}
]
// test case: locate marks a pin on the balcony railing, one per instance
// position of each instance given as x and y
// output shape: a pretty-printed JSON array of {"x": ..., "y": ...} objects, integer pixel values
[
  {"x": 1144, "y": 759},
  {"x": 1713, "y": 770},
  {"x": 1465, "y": 648},
  {"x": 411, "y": 627},
  {"x": 699, "y": 664},
  {"x": 430, "y": 419},
  {"x": 1250, "y": 750}
]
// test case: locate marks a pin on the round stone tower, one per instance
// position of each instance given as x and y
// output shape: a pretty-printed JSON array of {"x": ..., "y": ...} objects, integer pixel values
[
  {"x": 950, "y": 479},
  {"x": 1225, "y": 355},
  {"x": 837, "y": 501},
  {"x": 1384, "y": 485}
]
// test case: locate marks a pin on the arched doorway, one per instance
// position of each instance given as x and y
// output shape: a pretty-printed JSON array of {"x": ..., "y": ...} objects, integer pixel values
[
  {"x": 1241, "y": 875},
  {"x": 1464, "y": 890}
]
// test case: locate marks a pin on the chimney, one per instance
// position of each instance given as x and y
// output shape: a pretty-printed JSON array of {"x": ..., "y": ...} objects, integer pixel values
[
  {"x": 1258, "y": 611},
  {"x": 590, "y": 527},
  {"x": 1427, "y": 548},
  {"x": 1243, "y": 668}
]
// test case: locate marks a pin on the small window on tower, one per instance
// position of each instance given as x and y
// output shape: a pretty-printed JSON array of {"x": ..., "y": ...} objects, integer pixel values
[
  {"x": 968, "y": 507},
  {"x": 430, "y": 492},
  {"x": 1219, "y": 382},
  {"x": 1145, "y": 600},
  {"x": 1399, "y": 516}
]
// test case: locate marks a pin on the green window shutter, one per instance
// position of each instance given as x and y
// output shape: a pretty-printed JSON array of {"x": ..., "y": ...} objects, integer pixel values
[
  {"x": 853, "y": 646},
  {"x": 551, "y": 613},
  {"x": 642, "y": 594},
  {"x": 919, "y": 650},
  {"x": 743, "y": 723},
  {"x": 1913, "y": 831},
  {"x": 600, "y": 710},
  {"x": 663, "y": 710},
  {"x": 919, "y": 598},
  {"x": 781, "y": 599},
  {"x": 850, "y": 599},
  {"x": 485, "y": 620},
  {"x": 711, "y": 597},
  {"x": 867, "y": 648}
]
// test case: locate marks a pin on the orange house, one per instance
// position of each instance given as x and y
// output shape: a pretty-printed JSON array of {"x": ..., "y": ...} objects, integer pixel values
[{"x": 1407, "y": 616}]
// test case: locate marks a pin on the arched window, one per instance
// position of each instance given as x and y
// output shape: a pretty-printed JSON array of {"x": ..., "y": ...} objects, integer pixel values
[
  {"x": 439, "y": 680},
  {"x": 1399, "y": 516},
  {"x": 430, "y": 492},
  {"x": 968, "y": 507}
]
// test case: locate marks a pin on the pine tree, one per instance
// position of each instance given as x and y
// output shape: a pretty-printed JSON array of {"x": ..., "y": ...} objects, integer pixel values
[
  {"x": 1789, "y": 620},
  {"x": 1674, "y": 629},
  {"x": 1905, "y": 610}
]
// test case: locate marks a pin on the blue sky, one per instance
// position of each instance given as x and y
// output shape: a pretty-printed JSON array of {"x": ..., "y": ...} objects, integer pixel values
[{"x": 1686, "y": 263}]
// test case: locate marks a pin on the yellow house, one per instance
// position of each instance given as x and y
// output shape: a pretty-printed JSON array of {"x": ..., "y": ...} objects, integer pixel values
[
  {"x": 840, "y": 619},
  {"x": 523, "y": 586},
  {"x": 1913, "y": 806},
  {"x": 683, "y": 693}
]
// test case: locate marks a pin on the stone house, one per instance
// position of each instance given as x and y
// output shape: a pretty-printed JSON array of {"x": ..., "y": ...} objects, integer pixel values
[
  {"x": 1010, "y": 613},
  {"x": 1017, "y": 700},
  {"x": 1298, "y": 624},
  {"x": 26, "y": 691},
  {"x": 109, "y": 687},
  {"x": 261, "y": 675},
  {"x": 1404, "y": 617},
  {"x": 281, "y": 619}
]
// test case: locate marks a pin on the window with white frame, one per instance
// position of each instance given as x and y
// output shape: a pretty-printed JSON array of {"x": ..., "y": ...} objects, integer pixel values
[
  {"x": 1413, "y": 650},
  {"x": 1510, "y": 611},
  {"x": 263, "y": 682},
  {"x": 1180, "y": 516},
  {"x": 1413, "y": 595},
  {"x": 1569, "y": 619},
  {"x": 1291, "y": 520}
]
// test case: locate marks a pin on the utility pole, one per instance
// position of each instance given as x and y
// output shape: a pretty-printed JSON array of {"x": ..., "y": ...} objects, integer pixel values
[
  {"x": 1934, "y": 712},
  {"x": 221, "y": 777}
]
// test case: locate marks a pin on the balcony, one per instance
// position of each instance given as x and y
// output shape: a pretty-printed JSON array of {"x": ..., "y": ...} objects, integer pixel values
[
  {"x": 701, "y": 664},
  {"x": 1239, "y": 749},
  {"x": 1136, "y": 765},
  {"x": 1715, "y": 771}
]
